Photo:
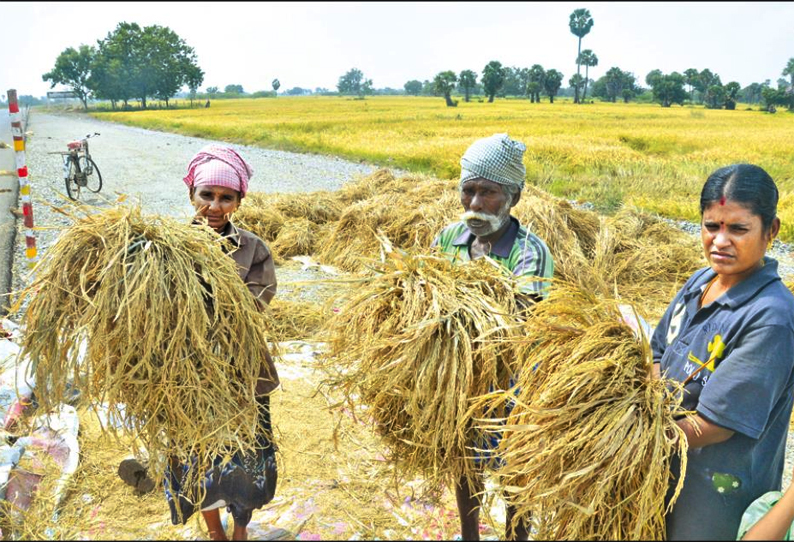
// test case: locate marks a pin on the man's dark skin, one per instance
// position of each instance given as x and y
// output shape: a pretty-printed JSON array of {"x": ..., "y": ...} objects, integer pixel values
[{"x": 484, "y": 196}]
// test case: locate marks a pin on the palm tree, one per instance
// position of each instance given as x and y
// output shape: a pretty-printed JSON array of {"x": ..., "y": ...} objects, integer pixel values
[
  {"x": 467, "y": 81},
  {"x": 580, "y": 24},
  {"x": 587, "y": 58},
  {"x": 493, "y": 78}
]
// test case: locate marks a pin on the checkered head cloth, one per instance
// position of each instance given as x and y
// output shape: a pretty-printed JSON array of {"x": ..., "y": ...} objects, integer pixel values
[
  {"x": 497, "y": 158},
  {"x": 219, "y": 166}
]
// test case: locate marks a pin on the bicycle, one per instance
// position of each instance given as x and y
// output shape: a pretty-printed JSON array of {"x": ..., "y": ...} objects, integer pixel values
[{"x": 79, "y": 169}]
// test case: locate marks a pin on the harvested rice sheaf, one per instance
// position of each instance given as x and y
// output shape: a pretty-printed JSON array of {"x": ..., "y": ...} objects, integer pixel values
[
  {"x": 588, "y": 447},
  {"x": 171, "y": 331},
  {"x": 295, "y": 320},
  {"x": 414, "y": 343}
]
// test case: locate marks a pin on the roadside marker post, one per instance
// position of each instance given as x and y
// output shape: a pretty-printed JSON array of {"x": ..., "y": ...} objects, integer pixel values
[{"x": 22, "y": 173}]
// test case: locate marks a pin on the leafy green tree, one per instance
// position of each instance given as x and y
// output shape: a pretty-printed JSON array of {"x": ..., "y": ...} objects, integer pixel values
[
  {"x": 350, "y": 83},
  {"x": 493, "y": 77},
  {"x": 413, "y": 87},
  {"x": 774, "y": 97},
  {"x": 588, "y": 59},
  {"x": 704, "y": 80},
  {"x": 690, "y": 77},
  {"x": 165, "y": 61},
  {"x": 580, "y": 24},
  {"x": 276, "y": 84},
  {"x": 789, "y": 70},
  {"x": 366, "y": 88},
  {"x": 194, "y": 76},
  {"x": 715, "y": 97},
  {"x": 516, "y": 80},
  {"x": 653, "y": 77},
  {"x": 233, "y": 89},
  {"x": 73, "y": 68},
  {"x": 731, "y": 93},
  {"x": 537, "y": 76},
  {"x": 467, "y": 81},
  {"x": 212, "y": 91},
  {"x": 576, "y": 82},
  {"x": 444, "y": 83},
  {"x": 752, "y": 93},
  {"x": 615, "y": 83},
  {"x": 428, "y": 88},
  {"x": 667, "y": 89},
  {"x": 552, "y": 81},
  {"x": 135, "y": 62}
]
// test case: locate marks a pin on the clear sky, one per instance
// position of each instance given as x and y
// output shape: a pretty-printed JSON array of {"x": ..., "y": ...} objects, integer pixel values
[{"x": 311, "y": 44}]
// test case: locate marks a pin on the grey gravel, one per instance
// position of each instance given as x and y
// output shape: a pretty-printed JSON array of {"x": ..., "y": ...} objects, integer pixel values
[{"x": 149, "y": 165}]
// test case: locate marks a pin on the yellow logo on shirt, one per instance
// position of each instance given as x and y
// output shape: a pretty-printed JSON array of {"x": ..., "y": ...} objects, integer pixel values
[{"x": 716, "y": 349}]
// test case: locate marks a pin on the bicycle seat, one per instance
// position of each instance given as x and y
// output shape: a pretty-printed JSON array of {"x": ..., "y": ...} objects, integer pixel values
[{"x": 75, "y": 145}]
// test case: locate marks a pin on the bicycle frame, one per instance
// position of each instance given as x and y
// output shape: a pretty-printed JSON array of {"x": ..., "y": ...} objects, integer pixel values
[{"x": 78, "y": 149}]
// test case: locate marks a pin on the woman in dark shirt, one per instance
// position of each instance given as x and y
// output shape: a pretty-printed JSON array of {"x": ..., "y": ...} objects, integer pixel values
[{"x": 728, "y": 336}]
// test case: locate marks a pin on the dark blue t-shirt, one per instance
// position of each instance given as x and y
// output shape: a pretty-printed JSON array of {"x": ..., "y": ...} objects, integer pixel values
[{"x": 745, "y": 339}]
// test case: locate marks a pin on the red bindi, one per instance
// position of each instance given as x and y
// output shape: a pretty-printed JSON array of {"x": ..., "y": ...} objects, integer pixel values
[{"x": 722, "y": 200}]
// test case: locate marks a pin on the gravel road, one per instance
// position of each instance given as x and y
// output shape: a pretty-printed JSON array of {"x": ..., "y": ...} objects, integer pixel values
[{"x": 150, "y": 165}]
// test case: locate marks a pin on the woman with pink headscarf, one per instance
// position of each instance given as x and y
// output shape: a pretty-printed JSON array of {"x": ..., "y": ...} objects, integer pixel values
[{"x": 217, "y": 180}]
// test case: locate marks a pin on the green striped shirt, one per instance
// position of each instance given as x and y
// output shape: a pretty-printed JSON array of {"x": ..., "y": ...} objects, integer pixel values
[{"x": 519, "y": 250}]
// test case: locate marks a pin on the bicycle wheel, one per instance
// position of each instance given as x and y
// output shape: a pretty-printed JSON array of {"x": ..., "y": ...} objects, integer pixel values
[
  {"x": 72, "y": 187},
  {"x": 93, "y": 179}
]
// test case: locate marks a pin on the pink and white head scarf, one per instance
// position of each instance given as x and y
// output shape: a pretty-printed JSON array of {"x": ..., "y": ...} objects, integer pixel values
[{"x": 219, "y": 166}]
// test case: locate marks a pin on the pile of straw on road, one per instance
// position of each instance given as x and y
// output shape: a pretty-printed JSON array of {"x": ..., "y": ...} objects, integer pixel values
[
  {"x": 416, "y": 341},
  {"x": 173, "y": 340},
  {"x": 588, "y": 445}
]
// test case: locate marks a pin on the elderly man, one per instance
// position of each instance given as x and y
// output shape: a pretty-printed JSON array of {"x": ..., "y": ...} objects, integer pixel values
[{"x": 491, "y": 181}]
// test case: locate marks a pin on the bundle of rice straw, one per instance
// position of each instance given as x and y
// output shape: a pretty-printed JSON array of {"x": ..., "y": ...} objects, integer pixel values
[
  {"x": 414, "y": 343},
  {"x": 410, "y": 211},
  {"x": 296, "y": 237},
  {"x": 171, "y": 332},
  {"x": 588, "y": 446},
  {"x": 294, "y": 320}
]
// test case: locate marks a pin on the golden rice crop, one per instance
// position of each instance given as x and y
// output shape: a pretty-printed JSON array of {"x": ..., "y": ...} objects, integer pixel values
[
  {"x": 588, "y": 446},
  {"x": 171, "y": 332},
  {"x": 417, "y": 339},
  {"x": 640, "y": 154}
]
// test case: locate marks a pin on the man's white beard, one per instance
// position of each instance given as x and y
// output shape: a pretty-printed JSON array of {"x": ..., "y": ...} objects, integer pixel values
[{"x": 494, "y": 222}]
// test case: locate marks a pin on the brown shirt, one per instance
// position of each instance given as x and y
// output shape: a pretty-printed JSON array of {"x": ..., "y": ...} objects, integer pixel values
[{"x": 255, "y": 265}]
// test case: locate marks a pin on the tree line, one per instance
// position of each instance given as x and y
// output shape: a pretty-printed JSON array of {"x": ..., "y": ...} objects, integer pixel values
[
  {"x": 131, "y": 63},
  {"x": 153, "y": 62}
]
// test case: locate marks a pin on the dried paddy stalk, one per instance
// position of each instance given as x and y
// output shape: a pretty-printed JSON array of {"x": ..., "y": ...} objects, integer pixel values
[
  {"x": 415, "y": 342},
  {"x": 297, "y": 237},
  {"x": 172, "y": 333},
  {"x": 588, "y": 446},
  {"x": 295, "y": 320}
]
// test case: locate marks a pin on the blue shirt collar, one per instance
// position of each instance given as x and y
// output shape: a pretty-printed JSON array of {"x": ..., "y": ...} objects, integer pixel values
[
  {"x": 501, "y": 248},
  {"x": 743, "y": 291}
]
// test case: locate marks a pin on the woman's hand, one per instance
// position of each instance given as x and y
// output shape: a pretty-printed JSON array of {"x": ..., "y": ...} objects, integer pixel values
[{"x": 656, "y": 370}]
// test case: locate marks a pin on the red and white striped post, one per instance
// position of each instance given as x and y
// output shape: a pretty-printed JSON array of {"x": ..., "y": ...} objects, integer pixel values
[{"x": 22, "y": 172}]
